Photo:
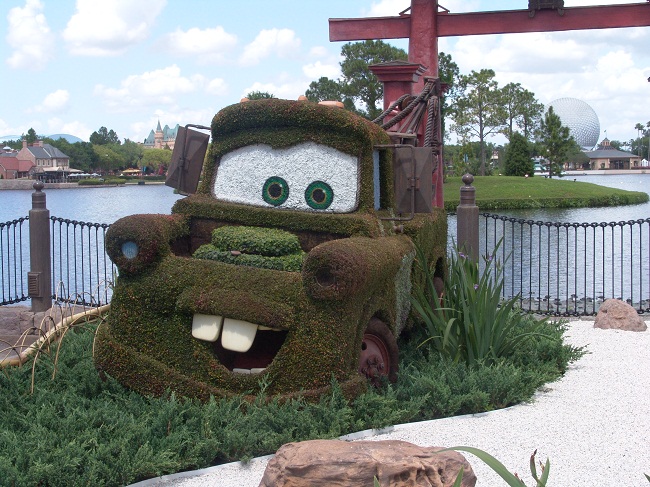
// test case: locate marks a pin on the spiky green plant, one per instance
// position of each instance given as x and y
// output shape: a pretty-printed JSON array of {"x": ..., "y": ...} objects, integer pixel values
[{"x": 470, "y": 321}]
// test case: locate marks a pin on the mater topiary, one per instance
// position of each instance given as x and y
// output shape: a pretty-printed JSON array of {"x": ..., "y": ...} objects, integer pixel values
[{"x": 173, "y": 317}]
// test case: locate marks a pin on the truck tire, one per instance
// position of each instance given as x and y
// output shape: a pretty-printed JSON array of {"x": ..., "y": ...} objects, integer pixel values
[{"x": 379, "y": 356}]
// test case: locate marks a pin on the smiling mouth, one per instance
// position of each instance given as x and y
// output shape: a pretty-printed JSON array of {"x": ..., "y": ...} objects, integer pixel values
[{"x": 242, "y": 347}]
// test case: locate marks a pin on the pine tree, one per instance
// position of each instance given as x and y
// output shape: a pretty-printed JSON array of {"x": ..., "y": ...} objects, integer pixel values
[
  {"x": 517, "y": 158},
  {"x": 555, "y": 140}
]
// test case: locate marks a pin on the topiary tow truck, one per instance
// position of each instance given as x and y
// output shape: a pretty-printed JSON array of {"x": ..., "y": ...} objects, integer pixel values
[{"x": 289, "y": 266}]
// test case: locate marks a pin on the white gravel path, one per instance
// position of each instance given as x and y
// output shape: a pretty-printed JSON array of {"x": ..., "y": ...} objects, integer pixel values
[{"x": 593, "y": 424}]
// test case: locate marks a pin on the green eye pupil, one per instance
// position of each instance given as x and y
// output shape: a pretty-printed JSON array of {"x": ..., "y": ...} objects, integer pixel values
[
  {"x": 319, "y": 195},
  {"x": 275, "y": 191}
]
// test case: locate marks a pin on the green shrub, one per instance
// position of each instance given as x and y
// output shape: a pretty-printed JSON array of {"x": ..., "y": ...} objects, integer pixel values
[
  {"x": 266, "y": 248},
  {"x": 291, "y": 263},
  {"x": 271, "y": 242},
  {"x": 83, "y": 428},
  {"x": 470, "y": 322}
]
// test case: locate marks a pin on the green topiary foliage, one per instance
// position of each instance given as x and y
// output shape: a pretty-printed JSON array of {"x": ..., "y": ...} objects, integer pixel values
[
  {"x": 355, "y": 269},
  {"x": 267, "y": 248},
  {"x": 270, "y": 242},
  {"x": 291, "y": 262}
]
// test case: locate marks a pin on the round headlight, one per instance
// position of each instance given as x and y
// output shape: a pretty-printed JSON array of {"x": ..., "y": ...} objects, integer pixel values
[{"x": 130, "y": 250}]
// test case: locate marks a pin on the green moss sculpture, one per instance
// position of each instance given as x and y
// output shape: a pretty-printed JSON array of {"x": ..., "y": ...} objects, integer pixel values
[{"x": 255, "y": 283}]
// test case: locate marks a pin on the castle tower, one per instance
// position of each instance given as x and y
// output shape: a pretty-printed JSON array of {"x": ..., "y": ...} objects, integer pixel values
[{"x": 158, "y": 137}]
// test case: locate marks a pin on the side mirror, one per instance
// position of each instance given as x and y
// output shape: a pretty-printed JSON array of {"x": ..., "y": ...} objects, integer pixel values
[{"x": 187, "y": 159}]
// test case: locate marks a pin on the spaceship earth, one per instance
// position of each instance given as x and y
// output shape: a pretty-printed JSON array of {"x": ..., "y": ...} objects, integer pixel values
[{"x": 581, "y": 119}]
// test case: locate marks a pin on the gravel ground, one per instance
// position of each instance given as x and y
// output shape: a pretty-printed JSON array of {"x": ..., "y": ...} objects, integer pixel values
[{"x": 593, "y": 424}]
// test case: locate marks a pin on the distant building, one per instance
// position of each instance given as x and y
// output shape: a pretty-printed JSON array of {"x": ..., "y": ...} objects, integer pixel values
[
  {"x": 161, "y": 138},
  {"x": 38, "y": 160},
  {"x": 608, "y": 157},
  {"x": 11, "y": 167}
]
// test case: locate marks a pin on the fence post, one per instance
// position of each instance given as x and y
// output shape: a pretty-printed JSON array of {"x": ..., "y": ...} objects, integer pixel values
[
  {"x": 39, "y": 278},
  {"x": 467, "y": 219}
]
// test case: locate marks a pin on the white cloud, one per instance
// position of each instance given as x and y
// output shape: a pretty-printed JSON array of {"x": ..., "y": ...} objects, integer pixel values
[
  {"x": 386, "y": 8},
  {"x": 138, "y": 131},
  {"x": 159, "y": 87},
  {"x": 391, "y": 8},
  {"x": 318, "y": 69},
  {"x": 281, "y": 42},
  {"x": 57, "y": 126},
  {"x": 288, "y": 88},
  {"x": 319, "y": 52},
  {"x": 208, "y": 45},
  {"x": 56, "y": 101},
  {"x": 217, "y": 87},
  {"x": 29, "y": 36},
  {"x": 110, "y": 27}
]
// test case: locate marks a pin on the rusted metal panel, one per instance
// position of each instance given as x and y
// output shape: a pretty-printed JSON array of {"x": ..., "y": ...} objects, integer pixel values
[{"x": 412, "y": 168}]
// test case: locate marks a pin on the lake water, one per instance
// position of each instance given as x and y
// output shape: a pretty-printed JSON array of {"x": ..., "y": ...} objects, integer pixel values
[
  {"x": 105, "y": 205},
  {"x": 94, "y": 205}
]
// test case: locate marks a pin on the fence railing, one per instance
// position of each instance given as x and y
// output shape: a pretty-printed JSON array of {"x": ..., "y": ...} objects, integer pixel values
[
  {"x": 560, "y": 269},
  {"x": 567, "y": 269},
  {"x": 82, "y": 273},
  {"x": 13, "y": 280}
]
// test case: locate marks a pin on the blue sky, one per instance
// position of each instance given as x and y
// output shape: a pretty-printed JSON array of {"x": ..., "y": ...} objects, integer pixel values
[{"x": 74, "y": 66}]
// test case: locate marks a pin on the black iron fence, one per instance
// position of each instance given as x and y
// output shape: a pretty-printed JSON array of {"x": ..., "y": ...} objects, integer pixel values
[
  {"x": 560, "y": 269},
  {"x": 13, "y": 242},
  {"x": 82, "y": 273},
  {"x": 569, "y": 269}
]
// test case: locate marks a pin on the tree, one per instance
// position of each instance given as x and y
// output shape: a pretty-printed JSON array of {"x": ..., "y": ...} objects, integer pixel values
[
  {"x": 555, "y": 141},
  {"x": 479, "y": 109},
  {"x": 130, "y": 151},
  {"x": 107, "y": 159},
  {"x": 31, "y": 136},
  {"x": 449, "y": 74},
  {"x": 155, "y": 159},
  {"x": 523, "y": 111},
  {"x": 577, "y": 158},
  {"x": 639, "y": 130},
  {"x": 329, "y": 89},
  {"x": 517, "y": 157},
  {"x": 358, "y": 82},
  {"x": 103, "y": 136},
  {"x": 259, "y": 95}
]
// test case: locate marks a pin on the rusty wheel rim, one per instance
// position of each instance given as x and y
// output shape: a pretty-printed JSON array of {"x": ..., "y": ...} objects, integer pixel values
[{"x": 374, "y": 361}]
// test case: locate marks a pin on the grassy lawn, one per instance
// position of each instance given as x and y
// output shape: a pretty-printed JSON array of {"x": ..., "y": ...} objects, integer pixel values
[
  {"x": 80, "y": 428},
  {"x": 509, "y": 192}
]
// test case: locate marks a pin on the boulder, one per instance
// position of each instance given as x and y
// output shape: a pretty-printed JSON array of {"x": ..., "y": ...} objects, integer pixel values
[
  {"x": 337, "y": 463},
  {"x": 619, "y": 315}
]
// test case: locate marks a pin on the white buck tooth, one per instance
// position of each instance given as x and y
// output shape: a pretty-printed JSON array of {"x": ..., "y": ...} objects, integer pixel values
[
  {"x": 206, "y": 327},
  {"x": 257, "y": 371},
  {"x": 238, "y": 335},
  {"x": 241, "y": 371}
]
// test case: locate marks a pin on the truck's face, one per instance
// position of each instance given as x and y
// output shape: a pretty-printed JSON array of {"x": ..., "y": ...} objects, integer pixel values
[
  {"x": 305, "y": 177},
  {"x": 295, "y": 269}
]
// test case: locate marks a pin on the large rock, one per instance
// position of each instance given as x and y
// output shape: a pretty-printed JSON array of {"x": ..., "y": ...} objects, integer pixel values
[
  {"x": 336, "y": 463},
  {"x": 619, "y": 315}
]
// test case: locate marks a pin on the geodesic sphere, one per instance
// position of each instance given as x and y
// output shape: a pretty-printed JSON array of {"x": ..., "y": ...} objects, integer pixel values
[{"x": 581, "y": 119}]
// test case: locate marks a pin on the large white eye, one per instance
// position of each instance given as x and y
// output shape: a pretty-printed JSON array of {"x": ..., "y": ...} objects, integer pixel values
[{"x": 309, "y": 177}]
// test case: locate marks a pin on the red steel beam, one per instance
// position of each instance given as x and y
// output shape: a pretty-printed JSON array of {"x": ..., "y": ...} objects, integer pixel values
[
  {"x": 498, "y": 22},
  {"x": 515, "y": 21}
]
